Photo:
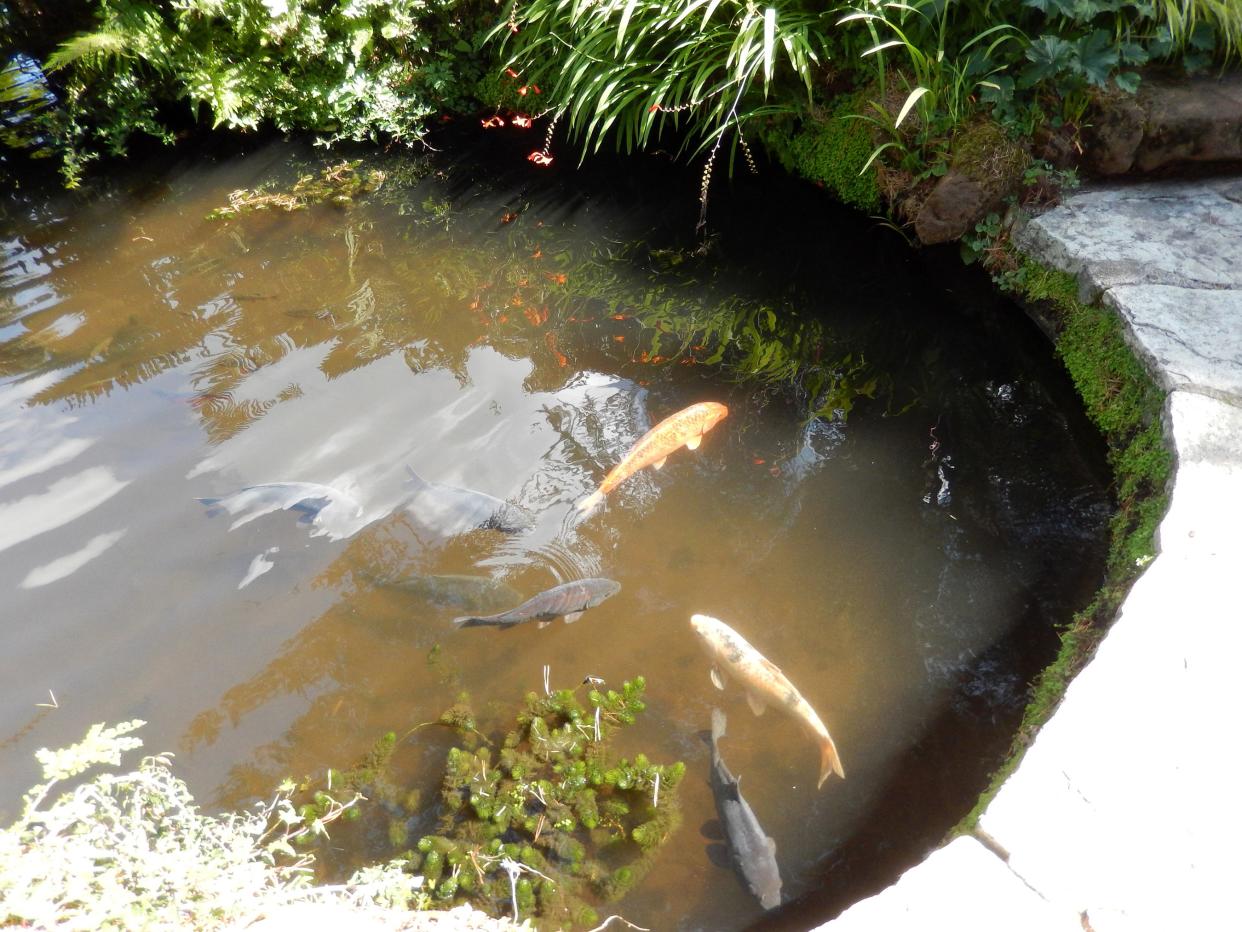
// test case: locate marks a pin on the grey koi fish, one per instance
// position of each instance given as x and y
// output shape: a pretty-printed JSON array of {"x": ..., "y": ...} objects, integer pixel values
[
  {"x": 753, "y": 853},
  {"x": 474, "y": 593},
  {"x": 568, "y": 600}
]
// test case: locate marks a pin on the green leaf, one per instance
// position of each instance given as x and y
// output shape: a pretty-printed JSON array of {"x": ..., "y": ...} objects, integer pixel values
[
  {"x": 360, "y": 38},
  {"x": 1097, "y": 57},
  {"x": 913, "y": 99},
  {"x": 769, "y": 45},
  {"x": 625, "y": 21},
  {"x": 1128, "y": 81}
]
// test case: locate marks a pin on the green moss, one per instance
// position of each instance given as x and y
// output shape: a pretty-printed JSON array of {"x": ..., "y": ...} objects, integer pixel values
[{"x": 830, "y": 150}]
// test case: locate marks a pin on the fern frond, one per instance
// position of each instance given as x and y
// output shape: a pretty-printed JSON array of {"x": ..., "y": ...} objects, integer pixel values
[{"x": 92, "y": 47}]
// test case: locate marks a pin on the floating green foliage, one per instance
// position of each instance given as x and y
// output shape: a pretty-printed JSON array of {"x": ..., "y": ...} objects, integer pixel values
[
  {"x": 543, "y": 822},
  {"x": 552, "y": 822}
]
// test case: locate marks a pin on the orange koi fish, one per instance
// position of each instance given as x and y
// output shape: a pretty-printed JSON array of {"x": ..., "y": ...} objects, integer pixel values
[
  {"x": 764, "y": 683},
  {"x": 685, "y": 428}
]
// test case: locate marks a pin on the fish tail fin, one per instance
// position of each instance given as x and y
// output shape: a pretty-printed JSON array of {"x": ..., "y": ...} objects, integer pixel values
[
  {"x": 468, "y": 621},
  {"x": 718, "y": 725},
  {"x": 588, "y": 504},
  {"x": 829, "y": 760}
]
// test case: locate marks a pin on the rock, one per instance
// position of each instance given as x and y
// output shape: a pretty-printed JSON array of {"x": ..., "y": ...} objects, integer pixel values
[
  {"x": 953, "y": 208},
  {"x": 1169, "y": 122},
  {"x": 1115, "y": 134}
]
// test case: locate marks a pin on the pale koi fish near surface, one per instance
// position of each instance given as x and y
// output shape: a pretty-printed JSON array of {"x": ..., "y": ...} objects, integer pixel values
[
  {"x": 685, "y": 428},
  {"x": 763, "y": 682}
]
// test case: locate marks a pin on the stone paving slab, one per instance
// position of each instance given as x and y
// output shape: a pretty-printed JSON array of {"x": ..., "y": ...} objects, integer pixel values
[
  {"x": 1189, "y": 338},
  {"x": 1163, "y": 233},
  {"x": 1205, "y": 509},
  {"x": 962, "y": 887},
  {"x": 1125, "y": 808}
]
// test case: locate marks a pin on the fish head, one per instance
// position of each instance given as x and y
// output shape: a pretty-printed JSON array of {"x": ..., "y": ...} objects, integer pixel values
[
  {"x": 713, "y": 413},
  {"x": 710, "y": 630},
  {"x": 598, "y": 589}
]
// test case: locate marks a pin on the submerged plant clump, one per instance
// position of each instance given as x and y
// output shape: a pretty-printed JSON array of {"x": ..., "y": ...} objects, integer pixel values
[
  {"x": 544, "y": 823},
  {"x": 336, "y": 184},
  {"x": 551, "y": 823}
]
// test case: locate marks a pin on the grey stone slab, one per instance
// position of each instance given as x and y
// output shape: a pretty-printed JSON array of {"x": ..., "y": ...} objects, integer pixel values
[
  {"x": 1174, "y": 233},
  {"x": 962, "y": 887},
  {"x": 1205, "y": 508},
  {"x": 1190, "y": 338},
  {"x": 1126, "y": 806}
]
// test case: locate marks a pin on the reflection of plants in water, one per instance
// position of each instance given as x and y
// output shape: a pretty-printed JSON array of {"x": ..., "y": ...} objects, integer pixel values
[
  {"x": 544, "y": 826},
  {"x": 337, "y": 184},
  {"x": 270, "y": 282},
  {"x": 687, "y": 321}
]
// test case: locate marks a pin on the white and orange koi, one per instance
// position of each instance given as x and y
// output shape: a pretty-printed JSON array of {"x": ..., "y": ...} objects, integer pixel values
[
  {"x": 763, "y": 681},
  {"x": 685, "y": 428}
]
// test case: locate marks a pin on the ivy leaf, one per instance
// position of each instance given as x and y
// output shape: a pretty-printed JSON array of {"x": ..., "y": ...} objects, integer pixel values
[{"x": 1162, "y": 45}]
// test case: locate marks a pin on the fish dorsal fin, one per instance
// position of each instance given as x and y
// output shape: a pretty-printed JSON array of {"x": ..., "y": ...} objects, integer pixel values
[
  {"x": 717, "y": 677},
  {"x": 572, "y": 617},
  {"x": 659, "y": 464},
  {"x": 757, "y": 705},
  {"x": 693, "y": 442}
]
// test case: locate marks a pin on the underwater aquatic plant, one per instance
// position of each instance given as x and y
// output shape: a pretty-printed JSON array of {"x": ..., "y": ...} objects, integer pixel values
[{"x": 544, "y": 822}]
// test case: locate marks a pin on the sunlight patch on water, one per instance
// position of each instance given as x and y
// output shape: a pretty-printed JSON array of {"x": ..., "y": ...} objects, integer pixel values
[{"x": 70, "y": 563}]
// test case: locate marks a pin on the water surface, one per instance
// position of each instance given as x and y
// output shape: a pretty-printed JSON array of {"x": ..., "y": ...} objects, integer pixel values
[{"x": 477, "y": 322}]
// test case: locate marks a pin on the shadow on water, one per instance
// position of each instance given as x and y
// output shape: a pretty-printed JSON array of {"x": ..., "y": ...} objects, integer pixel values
[{"x": 512, "y": 331}]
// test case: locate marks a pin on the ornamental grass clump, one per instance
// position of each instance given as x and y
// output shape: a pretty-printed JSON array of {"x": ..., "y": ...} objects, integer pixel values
[{"x": 132, "y": 850}]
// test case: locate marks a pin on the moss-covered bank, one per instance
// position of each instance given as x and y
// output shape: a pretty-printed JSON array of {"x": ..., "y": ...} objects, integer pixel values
[{"x": 1126, "y": 405}]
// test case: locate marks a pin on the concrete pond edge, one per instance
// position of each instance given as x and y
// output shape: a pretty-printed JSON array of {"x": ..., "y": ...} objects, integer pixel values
[{"x": 1123, "y": 815}]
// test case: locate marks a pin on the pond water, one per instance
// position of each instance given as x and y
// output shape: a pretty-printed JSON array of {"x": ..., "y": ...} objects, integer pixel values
[{"x": 498, "y": 327}]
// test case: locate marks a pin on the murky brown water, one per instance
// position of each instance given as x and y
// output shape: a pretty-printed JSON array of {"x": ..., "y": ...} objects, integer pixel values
[{"x": 150, "y": 357}]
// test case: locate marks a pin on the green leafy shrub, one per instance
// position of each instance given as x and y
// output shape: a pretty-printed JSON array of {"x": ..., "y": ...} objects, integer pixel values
[
  {"x": 363, "y": 69},
  {"x": 639, "y": 68}
]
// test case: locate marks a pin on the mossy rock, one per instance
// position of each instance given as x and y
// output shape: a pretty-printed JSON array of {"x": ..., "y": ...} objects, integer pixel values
[
  {"x": 830, "y": 149},
  {"x": 985, "y": 153}
]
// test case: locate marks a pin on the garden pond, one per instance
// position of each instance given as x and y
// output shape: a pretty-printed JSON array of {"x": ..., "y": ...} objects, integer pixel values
[{"x": 902, "y": 504}]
